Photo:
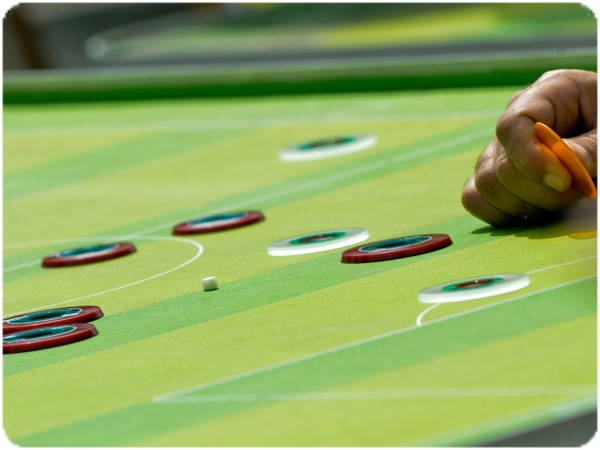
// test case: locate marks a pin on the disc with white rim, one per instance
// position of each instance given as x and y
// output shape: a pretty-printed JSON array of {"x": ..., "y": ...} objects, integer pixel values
[
  {"x": 474, "y": 288},
  {"x": 328, "y": 148},
  {"x": 317, "y": 242}
]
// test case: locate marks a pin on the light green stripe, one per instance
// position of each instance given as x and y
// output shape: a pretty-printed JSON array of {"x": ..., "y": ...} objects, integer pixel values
[
  {"x": 109, "y": 159},
  {"x": 301, "y": 187},
  {"x": 141, "y": 422}
]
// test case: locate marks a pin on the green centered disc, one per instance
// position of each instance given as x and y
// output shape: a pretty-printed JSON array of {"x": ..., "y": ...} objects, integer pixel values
[
  {"x": 393, "y": 244},
  {"x": 320, "y": 144},
  {"x": 38, "y": 333},
  {"x": 40, "y": 316},
  {"x": 217, "y": 218},
  {"x": 90, "y": 249},
  {"x": 473, "y": 284},
  {"x": 318, "y": 237}
]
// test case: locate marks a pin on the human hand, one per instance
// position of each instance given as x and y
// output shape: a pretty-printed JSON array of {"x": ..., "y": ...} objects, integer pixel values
[{"x": 517, "y": 181}]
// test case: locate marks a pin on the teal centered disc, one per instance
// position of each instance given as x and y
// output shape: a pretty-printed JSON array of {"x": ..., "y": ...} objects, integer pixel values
[
  {"x": 476, "y": 283},
  {"x": 474, "y": 288},
  {"x": 317, "y": 242},
  {"x": 327, "y": 148},
  {"x": 47, "y": 337}
]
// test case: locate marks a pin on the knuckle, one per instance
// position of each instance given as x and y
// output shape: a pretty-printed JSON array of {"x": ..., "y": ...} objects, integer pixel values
[
  {"x": 556, "y": 73},
  {"x": 503, "y": 168},
  {"x": 485, "y": 180},
  {"x": 470, "y": 196},
  {"x": 504, "y": 126}
]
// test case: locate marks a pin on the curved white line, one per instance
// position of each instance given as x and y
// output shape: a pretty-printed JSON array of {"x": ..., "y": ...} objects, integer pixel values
[
  {"x": 328, "y": 351},
  {"x": 199, "y": 247},
  {"x": 419, "y": 320}
]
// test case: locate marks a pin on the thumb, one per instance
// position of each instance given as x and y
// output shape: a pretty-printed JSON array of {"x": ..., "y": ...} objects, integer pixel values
[{"x": 585, "y": 146}]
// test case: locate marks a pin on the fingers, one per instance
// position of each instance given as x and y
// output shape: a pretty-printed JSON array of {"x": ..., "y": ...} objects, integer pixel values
[
  {"x": 480, "y": 208},
  {"x": 518, "y": 180},
  {"x": 500, "y": 195},
  {"x": 540, "y": 195},
  {"x": 563, "y": 100},
  {"x": 585, "y": 147}
]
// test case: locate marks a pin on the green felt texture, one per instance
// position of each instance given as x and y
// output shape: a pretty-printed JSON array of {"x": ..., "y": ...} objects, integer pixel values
[{"x": 345, "y": 335}]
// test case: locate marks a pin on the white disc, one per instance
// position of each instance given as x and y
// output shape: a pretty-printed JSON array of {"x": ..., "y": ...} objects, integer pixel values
[
  {"x": 327, "y": 148},
  {"x": 474, "y": 288},
  {"x": 319, "y": 241}
]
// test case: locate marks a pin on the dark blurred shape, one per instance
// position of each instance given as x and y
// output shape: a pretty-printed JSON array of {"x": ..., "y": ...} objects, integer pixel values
[
  {"x": 574, "y": 432},
  {"x": 125, "y": 51},
  {"x": 95, "y": 35},
  {"x": 51, "y": 35}
]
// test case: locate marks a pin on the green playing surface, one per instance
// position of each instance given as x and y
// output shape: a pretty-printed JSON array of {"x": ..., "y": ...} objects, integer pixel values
[{"x": 290, "y": 351}]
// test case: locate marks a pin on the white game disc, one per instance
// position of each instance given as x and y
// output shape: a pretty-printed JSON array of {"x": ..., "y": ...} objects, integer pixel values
[
  {"x": 317, "y": 242},
  {"x": 327, "y": 148},
  {"x": 474, "y": 288}
]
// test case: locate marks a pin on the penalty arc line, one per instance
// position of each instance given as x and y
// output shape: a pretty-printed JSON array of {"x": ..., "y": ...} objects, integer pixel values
[
  {"x": 199, "y": 251},
  {"x": 169, "y": 397},
  {"x": 420, "y": 317},
  {"x": 305, "y": 186}
]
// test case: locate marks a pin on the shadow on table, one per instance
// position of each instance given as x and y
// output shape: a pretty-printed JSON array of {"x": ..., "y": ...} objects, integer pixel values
[{"x": 581, "y": 223}]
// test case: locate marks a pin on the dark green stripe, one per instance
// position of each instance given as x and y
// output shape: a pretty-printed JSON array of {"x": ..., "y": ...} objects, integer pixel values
[
  {"x": 114, "y": 158},
  {"x": 242, "y": 295},
  {"x": 142, "y": 422},
  {"x": 248, "y": 198}
]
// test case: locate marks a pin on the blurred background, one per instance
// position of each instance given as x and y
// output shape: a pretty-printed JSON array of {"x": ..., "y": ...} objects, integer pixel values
[{"x": 241, "y": 48}]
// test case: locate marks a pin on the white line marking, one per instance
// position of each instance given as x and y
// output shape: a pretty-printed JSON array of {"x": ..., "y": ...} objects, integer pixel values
[
  {"x": 420, "y": 317},
  {"x": 239, "y": 376},
  {"x": 561, "y": 265},
  {"x": 199, "y": 251},
  {"x": 336, "y": 177},
  {"x": 303, "y": 186},
  {"x": 22, "y": 266},
  {"x": 419, "y": 320},
  {"x": 243, "y": 123},
  {"x": 458, "y": 392}
]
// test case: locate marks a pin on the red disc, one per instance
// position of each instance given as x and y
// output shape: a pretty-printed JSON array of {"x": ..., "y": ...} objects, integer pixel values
[
  {"x": 47, "y": 337},
  {"x": 88, "y": 254},
  {"x": 218, "y": 222},
  {"x": 396, "y": 248},
  {"x": 51, "y": 317}
]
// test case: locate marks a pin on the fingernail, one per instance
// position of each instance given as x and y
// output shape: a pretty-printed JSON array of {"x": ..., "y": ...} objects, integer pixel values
[{"x": 554, "y": 181}]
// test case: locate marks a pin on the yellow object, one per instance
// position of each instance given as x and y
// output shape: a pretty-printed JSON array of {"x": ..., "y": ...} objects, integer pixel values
[
  {"x": 585, "y": 235},
  {"x": 581, "y": 178}
]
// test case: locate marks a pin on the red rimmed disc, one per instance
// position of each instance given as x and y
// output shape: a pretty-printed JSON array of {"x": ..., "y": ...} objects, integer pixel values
[
  {"x": 47, "y": 337},
  {"x": 51, "y": 317},
  {"x": 88, "y": 254},
  {"x": 218, "y": 222},
  {"x": 396, "y": 248}
]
